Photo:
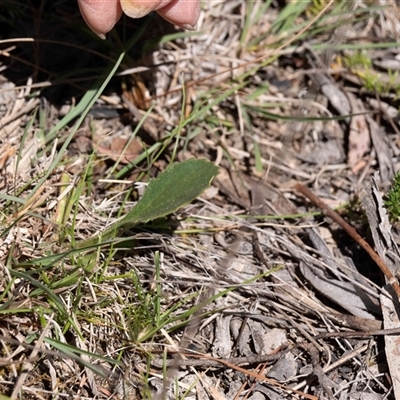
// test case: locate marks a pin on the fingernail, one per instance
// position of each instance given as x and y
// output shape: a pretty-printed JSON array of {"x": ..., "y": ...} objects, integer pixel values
[
  {"x": 134, "y": 10},
  {"x": 189, "y": 27},
  {"x": 100, "y": 35}
]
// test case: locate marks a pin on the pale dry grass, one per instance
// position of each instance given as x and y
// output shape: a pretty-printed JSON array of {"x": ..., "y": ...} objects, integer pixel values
[{"x": 243, "y": 275}]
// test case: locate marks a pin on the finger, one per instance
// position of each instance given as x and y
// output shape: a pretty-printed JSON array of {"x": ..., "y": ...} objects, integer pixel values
[
  {"x": 100, "y": 15},
  {"x": 140, "y": 8},
  {"x": 183, "y": 13}
]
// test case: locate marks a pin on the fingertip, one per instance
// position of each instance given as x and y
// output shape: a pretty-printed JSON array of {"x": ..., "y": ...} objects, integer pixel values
[
  {"x": 100, "y": 16},
  {"x": 183, "y": 13}
]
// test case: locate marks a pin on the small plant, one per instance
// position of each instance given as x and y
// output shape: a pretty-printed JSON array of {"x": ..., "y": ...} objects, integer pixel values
[
  {"x": 175, "y": 187},
  {"x": 392, "y": 200},
  {"x": 358, "y": 59}
]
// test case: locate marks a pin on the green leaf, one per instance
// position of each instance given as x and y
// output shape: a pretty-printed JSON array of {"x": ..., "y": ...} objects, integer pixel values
[
  {"x": 175, "y": 187},
  {"x": 178, "y": 185}
]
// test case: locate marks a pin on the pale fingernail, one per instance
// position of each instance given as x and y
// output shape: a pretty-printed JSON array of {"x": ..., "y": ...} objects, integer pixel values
[
  {"x": 134, "y": 10},
  {"x": 189, "y": 27},
  {"x": 100, "y": 35}
]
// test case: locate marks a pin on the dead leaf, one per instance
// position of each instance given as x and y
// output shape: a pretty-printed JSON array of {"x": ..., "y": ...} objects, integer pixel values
[
  {"x": 124, "y": 150},
  {"x": 382, "y": 149},
  {"x": 6, "y": 152},
  {"x": 359, "y": 138}
]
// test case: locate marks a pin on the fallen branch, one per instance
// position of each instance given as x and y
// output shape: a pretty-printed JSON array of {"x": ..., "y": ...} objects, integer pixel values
[{"x": 326, "y": 210}]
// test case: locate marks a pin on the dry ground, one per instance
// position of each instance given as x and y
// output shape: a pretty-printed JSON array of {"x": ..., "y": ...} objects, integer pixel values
[{"x": 232, "y": 296}]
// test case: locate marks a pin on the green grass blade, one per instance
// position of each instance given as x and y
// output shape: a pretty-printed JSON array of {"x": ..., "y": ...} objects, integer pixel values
[{"x": 81, "y": 109}]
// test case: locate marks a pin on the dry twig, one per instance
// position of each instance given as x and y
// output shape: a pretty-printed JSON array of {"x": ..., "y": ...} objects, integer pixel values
[{"x": 353, "y": 234}]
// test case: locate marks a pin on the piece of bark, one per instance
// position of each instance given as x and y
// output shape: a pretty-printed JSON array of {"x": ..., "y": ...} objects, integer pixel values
[{"x": 389, "y": 252}]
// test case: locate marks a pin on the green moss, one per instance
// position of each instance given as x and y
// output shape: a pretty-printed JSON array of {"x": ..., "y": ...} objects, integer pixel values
[{"x": 358, "y": 59}]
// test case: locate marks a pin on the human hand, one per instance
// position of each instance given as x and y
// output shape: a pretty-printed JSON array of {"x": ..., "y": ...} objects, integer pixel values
[{"x": 102, "y": 15}]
